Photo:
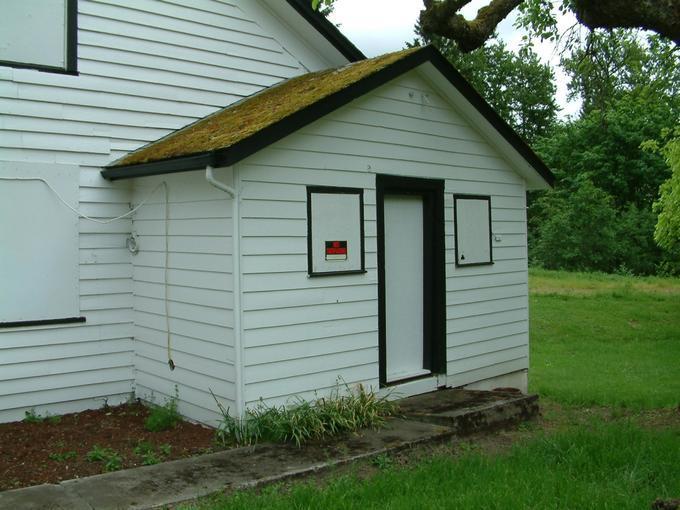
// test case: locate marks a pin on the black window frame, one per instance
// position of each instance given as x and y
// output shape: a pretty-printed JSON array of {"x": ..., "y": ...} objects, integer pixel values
[
  {"x": 310, "y": 256},
  {"x": 71, "y": 47},
  {"x": 464, "y": 196}
]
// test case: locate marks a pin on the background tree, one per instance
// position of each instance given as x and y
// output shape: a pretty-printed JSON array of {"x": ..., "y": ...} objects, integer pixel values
[
  {"x": 576, "y": 228},
  {"x": 628, "y": 85},
  {"x": 667, "y": 232},
  {"x": 517, "y": 85},
  {"x": 608, "y": 65},
  {"x": 443, "y": 18}
]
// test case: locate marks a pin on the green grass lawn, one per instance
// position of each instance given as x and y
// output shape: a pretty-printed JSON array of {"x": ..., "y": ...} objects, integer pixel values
[
  {"x": 613, "y": 466},
  {"x": 605, "y": 358},
  {"x": 605, "y": 340}
]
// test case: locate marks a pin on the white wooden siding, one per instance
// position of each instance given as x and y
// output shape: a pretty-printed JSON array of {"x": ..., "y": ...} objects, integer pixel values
[
  {"x": 200, "y": 298},
  {"x": 301, "y": 334},
  {"x": 146, "y": 67}
]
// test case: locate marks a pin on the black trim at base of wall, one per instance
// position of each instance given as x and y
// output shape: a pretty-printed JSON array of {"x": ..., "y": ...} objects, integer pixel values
[
  {"x": 41, "y": 322},
  {"x": 434, "y": 270}
]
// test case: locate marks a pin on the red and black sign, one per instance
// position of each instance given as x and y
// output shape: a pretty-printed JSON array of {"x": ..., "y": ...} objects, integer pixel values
[{"x": 336, "y": 250}]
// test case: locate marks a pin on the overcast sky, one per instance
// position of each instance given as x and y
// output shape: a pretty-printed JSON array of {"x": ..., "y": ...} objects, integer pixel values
[{"x": 381, "y": 26}]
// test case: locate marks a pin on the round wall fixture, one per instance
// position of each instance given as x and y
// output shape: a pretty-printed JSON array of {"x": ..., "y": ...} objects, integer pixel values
[{"x": 132, "y": 244}]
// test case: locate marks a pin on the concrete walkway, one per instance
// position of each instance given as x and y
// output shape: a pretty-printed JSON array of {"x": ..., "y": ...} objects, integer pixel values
[{"x": 427, "y": 418}]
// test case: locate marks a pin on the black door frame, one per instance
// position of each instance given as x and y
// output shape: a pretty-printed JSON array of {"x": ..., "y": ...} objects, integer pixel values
[{"x": 434, "y": 273}]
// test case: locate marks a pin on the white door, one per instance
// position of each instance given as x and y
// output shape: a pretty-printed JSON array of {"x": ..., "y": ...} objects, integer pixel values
[{"x": 403, "y": 234}]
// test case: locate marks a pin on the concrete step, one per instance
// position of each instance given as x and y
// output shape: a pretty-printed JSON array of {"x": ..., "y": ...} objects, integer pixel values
[{"x": 469, "y": 411}]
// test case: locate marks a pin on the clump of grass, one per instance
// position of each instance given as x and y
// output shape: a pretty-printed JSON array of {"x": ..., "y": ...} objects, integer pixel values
[
  {"x": 163, "y": 417},
  {"x": 339, "y": 413},
  {"x": 109, "y": 457}
]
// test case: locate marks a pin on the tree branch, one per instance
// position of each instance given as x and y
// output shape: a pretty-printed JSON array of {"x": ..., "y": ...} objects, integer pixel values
[
  {"x": 661, "y": 16},
  {"x": 442, "y": 18}
]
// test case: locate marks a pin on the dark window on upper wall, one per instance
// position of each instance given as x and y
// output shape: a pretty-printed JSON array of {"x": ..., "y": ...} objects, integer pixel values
[
  {"x": 39, "y": 34},
  {"x": 472, "y": 226},
  {"x": 335, "y": 230}
]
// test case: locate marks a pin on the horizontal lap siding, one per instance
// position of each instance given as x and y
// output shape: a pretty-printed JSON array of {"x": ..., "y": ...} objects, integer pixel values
[
  {"x": 145, "y": 67},
  {"x": 70, "y": 368},
  {"x": 301, "y": 334},
  {"x": 199, "y": 292}
]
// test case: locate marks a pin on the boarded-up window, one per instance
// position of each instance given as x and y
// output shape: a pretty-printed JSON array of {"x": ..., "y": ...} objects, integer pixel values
[
  {"x": 38, "y": 243},
  {"x": 39, "y": 33},
  {"x": 335, "y": 230},
  {"x": 472, "y": 223}
]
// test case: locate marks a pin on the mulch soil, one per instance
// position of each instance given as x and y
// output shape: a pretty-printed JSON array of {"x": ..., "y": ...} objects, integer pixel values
[{"x": 56, "y": 448}]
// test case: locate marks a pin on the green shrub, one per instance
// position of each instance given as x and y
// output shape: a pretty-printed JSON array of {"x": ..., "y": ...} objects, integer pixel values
[
  {"x": 163, "y": 417},
  {"x": 303, "y": 421},
  {"x": 577, "y": 230}
]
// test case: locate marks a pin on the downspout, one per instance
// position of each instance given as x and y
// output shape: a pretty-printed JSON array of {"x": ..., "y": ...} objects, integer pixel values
[{"x": 236, "y": 277}]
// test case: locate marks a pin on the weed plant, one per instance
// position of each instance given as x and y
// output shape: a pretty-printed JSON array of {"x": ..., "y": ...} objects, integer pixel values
[
  {"x": 109, "y": 457},
  {"x": 344, "y": 410},
  {"x": 63, "y": 456},
  {"x": 163, "y": 417},
  {"x": 151, "y": 455},
  {"x": 31, "y": 416}
]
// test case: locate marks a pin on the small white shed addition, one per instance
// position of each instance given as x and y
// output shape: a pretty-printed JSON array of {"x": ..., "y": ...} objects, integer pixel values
[
  {"x": 343, "y": 218},
  {"x": 364, "y": 223}
]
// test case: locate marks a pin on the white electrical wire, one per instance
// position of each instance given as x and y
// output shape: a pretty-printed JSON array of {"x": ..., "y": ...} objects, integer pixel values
[
  {"x": 171, "y": 363},
  {"x": 80, "y": 214}
]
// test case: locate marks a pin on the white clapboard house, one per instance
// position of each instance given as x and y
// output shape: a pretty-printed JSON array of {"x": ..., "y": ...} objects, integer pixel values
[{"x": 226, "y": 196}]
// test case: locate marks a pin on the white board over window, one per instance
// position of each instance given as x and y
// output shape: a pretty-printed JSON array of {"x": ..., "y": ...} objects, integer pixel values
[
  {"x": 34, "y": 32},
  {"x": 38, "y": 243},
  {"x": 472, "y": 217},
  {"x": 335, "y": 221}
]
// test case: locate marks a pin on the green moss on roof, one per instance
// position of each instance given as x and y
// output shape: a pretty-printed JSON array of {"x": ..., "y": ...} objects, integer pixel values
[{"x": 237, "y": 122}]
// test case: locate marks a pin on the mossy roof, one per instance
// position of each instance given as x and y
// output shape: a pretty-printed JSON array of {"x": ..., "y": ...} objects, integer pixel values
[
  {"x": 241, "y": 120},
  {"x": 229, "y": 135}
]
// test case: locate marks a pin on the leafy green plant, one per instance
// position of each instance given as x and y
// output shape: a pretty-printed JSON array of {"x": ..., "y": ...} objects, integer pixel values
[
  {"x": 150, "y": 454},
  {"x": 340, "y": 412},
  {"x": 31, "y": 416},
  {"x": 163, "y": 417},
  {"x": 110, "y": 458},
  {"x": 383, "y": 461},
  {"x": 63, "y": 456}
]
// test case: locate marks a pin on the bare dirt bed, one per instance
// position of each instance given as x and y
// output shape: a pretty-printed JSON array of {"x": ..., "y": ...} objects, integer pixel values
[{"x": 57, "y": 448}]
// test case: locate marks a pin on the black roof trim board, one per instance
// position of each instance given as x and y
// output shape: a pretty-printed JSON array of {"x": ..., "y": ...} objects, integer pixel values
[
  {"x": 165, "y": 166},
  {"x": 327, "y": 29},
  {"x": 288, "y": 125}
]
